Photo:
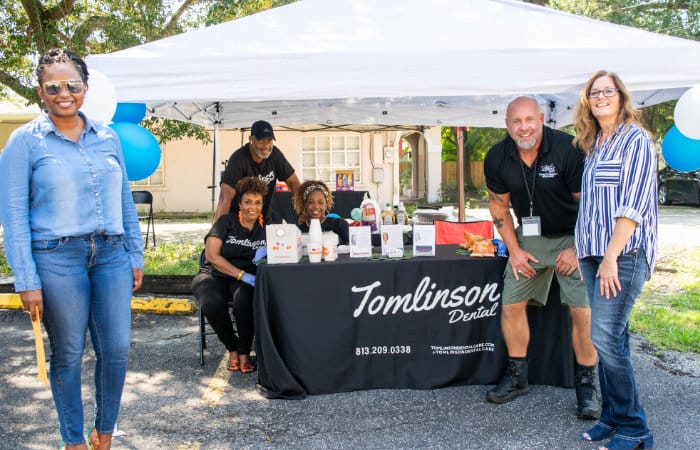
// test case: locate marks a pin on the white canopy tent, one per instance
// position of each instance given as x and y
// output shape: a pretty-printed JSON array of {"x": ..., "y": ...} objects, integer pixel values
[{"x": 392, "y": 63}]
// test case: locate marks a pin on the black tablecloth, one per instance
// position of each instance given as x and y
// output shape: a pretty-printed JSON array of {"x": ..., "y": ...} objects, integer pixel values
[
  {"x": 331, "y": 327},
  {"x": 281, "y": 206}
]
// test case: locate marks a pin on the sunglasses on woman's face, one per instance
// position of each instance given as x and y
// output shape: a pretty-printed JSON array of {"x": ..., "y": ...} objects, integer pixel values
[{"x": 54, "y": 87}]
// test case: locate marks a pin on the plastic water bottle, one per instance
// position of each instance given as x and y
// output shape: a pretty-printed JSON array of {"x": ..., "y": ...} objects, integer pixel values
[
  {"x": 401, "y": 216},
  {"x": 388, "y": 215}
]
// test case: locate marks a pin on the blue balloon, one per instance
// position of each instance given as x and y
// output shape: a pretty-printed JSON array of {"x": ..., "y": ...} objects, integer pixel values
[
  {"x": 681, "y": 152},
  {"x": 141, "y": 150},
  {"x": 129, "y": 112}
]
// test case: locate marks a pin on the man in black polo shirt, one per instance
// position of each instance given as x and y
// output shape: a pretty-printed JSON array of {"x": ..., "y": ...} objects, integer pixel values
[
  {"x": 258, "y": 158},
  {"x": 538, "y": 171}
]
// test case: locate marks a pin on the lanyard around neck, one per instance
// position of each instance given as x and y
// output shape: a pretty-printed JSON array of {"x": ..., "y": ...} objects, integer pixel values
[{"x": 530, "y": 195}]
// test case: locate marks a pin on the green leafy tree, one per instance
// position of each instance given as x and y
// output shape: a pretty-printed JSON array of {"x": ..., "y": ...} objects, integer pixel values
[
  {"x": 225, "y": 10},
  {"x": 28, "y": 28},
  {"x": 477, "y": 141},
  {"x": 680, "y": 18}
]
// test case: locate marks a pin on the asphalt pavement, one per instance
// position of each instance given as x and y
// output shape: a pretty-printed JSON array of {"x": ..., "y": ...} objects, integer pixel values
[{"x": 170, "y": 401}]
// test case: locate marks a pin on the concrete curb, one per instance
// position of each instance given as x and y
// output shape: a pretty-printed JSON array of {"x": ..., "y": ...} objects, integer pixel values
[{"x": 150, "y": 305}]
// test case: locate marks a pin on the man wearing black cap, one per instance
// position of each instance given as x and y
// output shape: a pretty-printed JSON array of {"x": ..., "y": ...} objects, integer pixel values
[{"x": 258, "y": 158}]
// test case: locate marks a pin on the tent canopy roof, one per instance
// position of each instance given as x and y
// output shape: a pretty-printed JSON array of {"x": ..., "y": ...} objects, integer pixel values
[{"x": 393, "y": 62}]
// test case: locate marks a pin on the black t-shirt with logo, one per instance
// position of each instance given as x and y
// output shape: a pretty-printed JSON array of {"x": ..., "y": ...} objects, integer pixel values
[
  {"x": 238, "y": 244},
  {"x": 241, "y": 164},
  {"x": 559, "y": 168}
]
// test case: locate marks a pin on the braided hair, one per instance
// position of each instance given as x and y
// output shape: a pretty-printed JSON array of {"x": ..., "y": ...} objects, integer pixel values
[{"x": 61, "y": 55}]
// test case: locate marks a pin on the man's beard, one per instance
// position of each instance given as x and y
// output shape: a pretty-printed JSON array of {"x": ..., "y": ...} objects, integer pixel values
[
  {"x": 526, "y": 145},
  {"x": 261, "y": 154}
]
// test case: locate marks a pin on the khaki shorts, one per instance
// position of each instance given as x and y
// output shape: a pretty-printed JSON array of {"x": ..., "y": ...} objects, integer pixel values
[{"x": 536, "y": 289}]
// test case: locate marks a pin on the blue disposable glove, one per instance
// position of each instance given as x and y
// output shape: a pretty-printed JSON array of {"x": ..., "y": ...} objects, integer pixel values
[
  {"x": 248, "y": 278},
  {"x": 259, "y": 254},
  {"x": 501, "y": 249}
]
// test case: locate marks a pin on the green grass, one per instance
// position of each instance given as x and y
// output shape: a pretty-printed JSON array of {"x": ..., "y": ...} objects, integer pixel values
[
  {"x": 172, "y": 259},
  {"x": 164, "y": 259},
  {"x": 4, "y": 267},
  {"x": 668, "y": 311},
  {"x": 669, "y": 321}
]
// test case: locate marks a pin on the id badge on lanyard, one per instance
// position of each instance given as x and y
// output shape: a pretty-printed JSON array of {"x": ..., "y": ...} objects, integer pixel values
[{"x": 531, "y": 226}]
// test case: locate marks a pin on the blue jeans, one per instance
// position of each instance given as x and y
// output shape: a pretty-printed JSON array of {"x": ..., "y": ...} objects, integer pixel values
[
  {"x": 86, "y": 284},
  {"x": 610, "y": 335}
]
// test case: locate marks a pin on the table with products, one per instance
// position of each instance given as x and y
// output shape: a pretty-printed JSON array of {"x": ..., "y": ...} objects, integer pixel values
[{"x": 422, "y": 322}]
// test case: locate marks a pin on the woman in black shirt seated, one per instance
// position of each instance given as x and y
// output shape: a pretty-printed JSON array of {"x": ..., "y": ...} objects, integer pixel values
[
  {"x": 232, "y": 247},
  {"x": 312, "y": 200}
]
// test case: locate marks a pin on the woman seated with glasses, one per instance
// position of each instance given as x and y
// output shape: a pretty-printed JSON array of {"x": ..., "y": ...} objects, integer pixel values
[
  {"x": 312, "y": 200},
  {"x": 232, "y": 247}
]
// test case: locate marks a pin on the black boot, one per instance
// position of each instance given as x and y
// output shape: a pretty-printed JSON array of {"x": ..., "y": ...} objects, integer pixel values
[
  {"x": 588, "y": 405},
  {"x": 513, "y": 383}
]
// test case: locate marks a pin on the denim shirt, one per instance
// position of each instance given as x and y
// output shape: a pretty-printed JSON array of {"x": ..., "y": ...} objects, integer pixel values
[{"x": 52, "y": 187}]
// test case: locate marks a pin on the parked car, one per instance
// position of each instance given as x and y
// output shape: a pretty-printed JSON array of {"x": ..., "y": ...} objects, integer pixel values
[{"x": 678, "y": 187}]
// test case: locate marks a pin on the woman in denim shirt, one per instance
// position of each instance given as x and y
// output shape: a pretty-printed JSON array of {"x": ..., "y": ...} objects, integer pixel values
[
  {"x": 73, "y": 241},
  {"x": 616, "y": 235}
]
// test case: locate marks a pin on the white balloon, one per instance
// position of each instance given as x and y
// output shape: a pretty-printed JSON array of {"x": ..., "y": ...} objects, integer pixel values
[
  {"x": 687, "y": 113},
  {"x": 101, "y": 98}
]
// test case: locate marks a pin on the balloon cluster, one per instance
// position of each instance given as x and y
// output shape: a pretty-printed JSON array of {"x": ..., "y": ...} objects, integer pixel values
[
  {"x": 681, "y": 144},
  {"x": 141, "y": 149}
]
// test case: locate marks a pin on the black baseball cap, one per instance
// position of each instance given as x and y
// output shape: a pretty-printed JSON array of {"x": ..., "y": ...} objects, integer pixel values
[{"x": 262, "y": 130}]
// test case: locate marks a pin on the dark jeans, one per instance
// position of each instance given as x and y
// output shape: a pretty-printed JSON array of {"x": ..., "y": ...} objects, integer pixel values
[
  {"x": 610, "y": 335},
  {"x": 214, "y": 295}
]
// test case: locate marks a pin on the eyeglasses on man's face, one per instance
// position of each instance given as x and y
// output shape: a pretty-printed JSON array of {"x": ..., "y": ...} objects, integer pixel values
[
  {"x": 54, "y": 87},
  {"x": 609, "y": 92}
]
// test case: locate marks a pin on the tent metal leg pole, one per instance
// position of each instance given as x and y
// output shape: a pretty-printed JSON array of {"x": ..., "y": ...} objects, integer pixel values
[
  {"x": 216, "y": 173},
  {"x": 459, "y": 132}
]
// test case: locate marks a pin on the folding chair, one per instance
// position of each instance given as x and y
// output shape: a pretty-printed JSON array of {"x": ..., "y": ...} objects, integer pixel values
[
  {"x": 453, "y": 232},
  {"x": 146, "y": 198},
  {"x": 203, "y": 333}
]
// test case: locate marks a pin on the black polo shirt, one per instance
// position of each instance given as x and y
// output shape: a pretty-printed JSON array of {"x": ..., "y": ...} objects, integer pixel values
[
  {"x": 559, "y": 167},
  {"x": 241, "y": 164}
]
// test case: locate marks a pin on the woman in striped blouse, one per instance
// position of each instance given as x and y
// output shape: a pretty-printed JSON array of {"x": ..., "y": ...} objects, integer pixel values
[{"x": 616, "y": 235}]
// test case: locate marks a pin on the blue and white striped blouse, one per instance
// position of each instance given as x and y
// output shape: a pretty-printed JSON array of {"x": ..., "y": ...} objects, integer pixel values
[{"x": 619, "y": 180}]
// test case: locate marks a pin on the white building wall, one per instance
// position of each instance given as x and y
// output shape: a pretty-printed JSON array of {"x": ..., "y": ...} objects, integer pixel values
[{"x": 188, "y": 166}]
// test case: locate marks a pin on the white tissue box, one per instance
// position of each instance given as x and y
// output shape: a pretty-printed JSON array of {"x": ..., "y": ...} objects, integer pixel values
[{"x": 283, "y": 243}]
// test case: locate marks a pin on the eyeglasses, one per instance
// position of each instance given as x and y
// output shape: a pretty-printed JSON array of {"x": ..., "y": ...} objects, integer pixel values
[
  {"x": 609, "y": 92},
  {"x": 54, "y": 87}
]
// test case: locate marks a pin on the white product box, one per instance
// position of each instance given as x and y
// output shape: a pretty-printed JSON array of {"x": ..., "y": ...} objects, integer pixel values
[
  {"x": 283, "y": 243},
  {"x": 423, "y": 240},
  {"x": 392, "y": 240},
  {"x": 360, "y": 242}
]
